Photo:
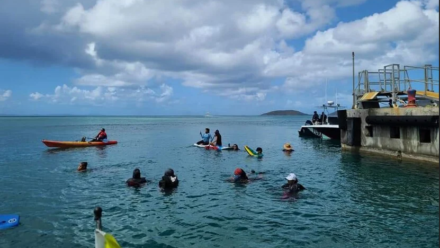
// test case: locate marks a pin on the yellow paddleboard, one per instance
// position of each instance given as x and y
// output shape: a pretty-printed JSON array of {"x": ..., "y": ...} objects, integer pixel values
[{"x": 250, "y": 151}]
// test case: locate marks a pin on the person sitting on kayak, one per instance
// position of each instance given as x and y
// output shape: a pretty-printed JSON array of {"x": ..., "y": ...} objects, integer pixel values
[
  {"x": 136, "y": 180},
  {"x": 292, "y": 186},
  {"x": 217, "y": 141},
  {"x": 169, "y": 180},
  {"x": 82, "y": 167},
  {"x": 206, "y": 137},
  {"x": 101, "y": 136}
]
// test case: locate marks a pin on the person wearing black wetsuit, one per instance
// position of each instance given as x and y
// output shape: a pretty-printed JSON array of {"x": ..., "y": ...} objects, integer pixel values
[
  {"x": 136, "y": 180},
  {"x": 240, "y": 176},
  {"x": 169, "y": 180},
  {"x": 292, "y": 186}
]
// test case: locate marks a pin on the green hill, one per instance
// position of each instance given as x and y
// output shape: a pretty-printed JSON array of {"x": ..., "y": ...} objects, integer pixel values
[{"x": 284, "y": 112}]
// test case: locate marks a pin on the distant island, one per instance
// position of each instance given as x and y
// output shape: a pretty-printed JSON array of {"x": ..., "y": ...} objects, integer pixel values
[{"x": 284, "y": 112}]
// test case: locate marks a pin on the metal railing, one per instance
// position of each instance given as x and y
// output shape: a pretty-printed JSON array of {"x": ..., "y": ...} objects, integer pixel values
[{"x": 394, "y": 81}]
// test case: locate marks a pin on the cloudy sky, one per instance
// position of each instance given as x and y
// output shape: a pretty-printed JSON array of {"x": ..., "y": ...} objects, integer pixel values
[{"x": 189, "y": 57}]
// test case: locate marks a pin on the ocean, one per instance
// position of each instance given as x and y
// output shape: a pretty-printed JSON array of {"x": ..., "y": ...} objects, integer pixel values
[{"x": 351, "y": 200}]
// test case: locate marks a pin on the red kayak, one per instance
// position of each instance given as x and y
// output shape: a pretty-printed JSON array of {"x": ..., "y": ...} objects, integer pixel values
[{"x": 53, "y": 143}]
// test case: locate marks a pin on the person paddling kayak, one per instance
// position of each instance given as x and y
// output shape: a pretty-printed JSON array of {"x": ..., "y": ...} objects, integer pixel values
[{"x": 102, "y": 136}]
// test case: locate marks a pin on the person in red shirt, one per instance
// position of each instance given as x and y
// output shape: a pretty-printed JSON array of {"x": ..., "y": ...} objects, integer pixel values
[{"x": 101, "y": 136}]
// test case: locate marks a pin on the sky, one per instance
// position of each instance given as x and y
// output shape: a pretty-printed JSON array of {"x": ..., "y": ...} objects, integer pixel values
[{"x": 190, "y": 57}]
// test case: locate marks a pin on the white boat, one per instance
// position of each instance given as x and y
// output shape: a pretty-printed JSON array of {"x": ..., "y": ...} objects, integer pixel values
[{"x": 327, "y": 127}]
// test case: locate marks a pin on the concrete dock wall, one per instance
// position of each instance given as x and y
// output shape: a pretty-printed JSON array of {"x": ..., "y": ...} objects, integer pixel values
[{"x": 406, "y": 142}]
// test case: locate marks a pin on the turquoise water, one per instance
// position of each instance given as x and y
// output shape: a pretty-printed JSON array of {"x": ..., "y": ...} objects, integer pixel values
[{"x": 351, "y": 200}]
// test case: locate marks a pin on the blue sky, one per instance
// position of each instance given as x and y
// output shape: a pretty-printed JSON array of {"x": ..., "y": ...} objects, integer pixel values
[{"x": 136, "y": 57}]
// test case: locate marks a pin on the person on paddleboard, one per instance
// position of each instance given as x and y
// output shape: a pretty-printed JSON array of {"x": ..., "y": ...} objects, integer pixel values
[
  {"x": 136, "y": 180},
  {"x": 206, "y": 137},
  {"x": 292, "y": 186},
  {"x": 101, "y": 136},
  {"x": 217, "y": 141},
  {"x": 169, "y": 180},
  {"x": 82, "y": 167}
]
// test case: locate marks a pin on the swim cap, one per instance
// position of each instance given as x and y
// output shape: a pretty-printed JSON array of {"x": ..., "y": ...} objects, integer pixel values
[{"x": 238, "y": 171}]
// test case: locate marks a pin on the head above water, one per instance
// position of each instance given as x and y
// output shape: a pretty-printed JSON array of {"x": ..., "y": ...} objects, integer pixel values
[
  {"x": 169, "y": 173},
  {"x": 82, "y": 166},
  {"x": 235, "y": 146},
  {"x": 238, "y": 171},
  {"x": 136, "y": 173},
  {"x": 291, "y": 178},
  {"x": 287, "y": 147},
  {"x": 259, "y": 150}
]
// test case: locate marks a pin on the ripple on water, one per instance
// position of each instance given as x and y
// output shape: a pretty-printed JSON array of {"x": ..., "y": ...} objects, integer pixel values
[{"x": 350, "y": 201}]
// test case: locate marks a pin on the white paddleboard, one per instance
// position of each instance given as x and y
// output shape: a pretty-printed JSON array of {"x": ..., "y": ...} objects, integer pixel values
[{"x": 222, "y": 148}]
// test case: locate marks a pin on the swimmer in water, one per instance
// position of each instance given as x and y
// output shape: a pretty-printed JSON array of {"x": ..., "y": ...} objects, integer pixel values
[
  {"x": 169, "y": 180},
  {"x": 287, "y": 148},
  {"x": 292, "y": 186},
  {"x": 259, "y": 151},
  {"x": 136, "y": 180},
  {"x": 235, "y": 147},
  {"x": 82, "y": 167},
  {"x": 240, "y": 176}
]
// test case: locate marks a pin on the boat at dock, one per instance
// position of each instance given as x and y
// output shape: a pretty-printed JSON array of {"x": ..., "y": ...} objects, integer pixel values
[{"x": 326, "y": 128}]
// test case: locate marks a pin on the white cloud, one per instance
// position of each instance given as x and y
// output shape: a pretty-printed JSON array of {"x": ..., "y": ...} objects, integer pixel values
[
  {"x": 5, "y": 95},
  {"x": 294, "y": 24},
  {"x": 234, "y": 49},
  {"x": 211, "y": 45},
  {"x": 407, "y": 34},
  {"x": 36, "y": 96},
  {"x": 49, "y": 6},
  {"x": 66, "y": 94},
  {"x": 431, "y": 4},
  {"x": 105, "y": 95}
]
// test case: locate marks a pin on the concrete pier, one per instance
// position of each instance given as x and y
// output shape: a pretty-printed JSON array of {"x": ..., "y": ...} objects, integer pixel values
[{"x": 401, "y": 132}]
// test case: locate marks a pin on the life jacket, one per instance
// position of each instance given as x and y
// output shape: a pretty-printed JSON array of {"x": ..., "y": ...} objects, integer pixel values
[{"x": 102, "y": 135}]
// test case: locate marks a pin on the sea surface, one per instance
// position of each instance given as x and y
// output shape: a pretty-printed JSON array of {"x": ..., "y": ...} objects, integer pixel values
[{"x": 351, "y": 200}]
